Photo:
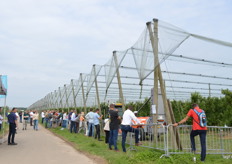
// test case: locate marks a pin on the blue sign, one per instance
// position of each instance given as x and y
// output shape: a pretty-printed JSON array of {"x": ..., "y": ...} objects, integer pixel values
[{"x": 3, "y": 86}]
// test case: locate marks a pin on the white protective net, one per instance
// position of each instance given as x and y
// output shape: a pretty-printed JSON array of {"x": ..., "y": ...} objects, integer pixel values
[{"x": 189, "y": 63}]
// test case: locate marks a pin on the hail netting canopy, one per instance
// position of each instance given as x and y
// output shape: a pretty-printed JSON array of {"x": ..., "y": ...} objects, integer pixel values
[{"x": 189, "y": 63}]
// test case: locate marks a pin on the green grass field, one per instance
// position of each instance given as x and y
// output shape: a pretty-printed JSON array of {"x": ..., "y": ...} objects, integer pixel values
[
  {"x": 4, "y": 129},
  {"x": 141, "y": 156}
]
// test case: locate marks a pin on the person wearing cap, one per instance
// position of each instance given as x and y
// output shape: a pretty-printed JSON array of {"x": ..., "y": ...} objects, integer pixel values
[{"x": 128, "y": 116}]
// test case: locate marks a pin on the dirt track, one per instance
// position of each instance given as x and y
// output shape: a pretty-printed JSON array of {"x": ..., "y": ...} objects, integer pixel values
[{"x": 36, "y": 147}]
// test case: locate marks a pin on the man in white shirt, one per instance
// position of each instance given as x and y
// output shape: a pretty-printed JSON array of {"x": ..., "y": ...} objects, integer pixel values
[
  {"x": 42, "y": 116},
  {"x": 73, "y": 126},
  {"x": 31, "y": 117},
  {"x": 128, "y": 116}
]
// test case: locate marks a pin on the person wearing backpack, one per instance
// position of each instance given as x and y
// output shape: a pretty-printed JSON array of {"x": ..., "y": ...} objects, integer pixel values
[{"x": 199, "y": 127}]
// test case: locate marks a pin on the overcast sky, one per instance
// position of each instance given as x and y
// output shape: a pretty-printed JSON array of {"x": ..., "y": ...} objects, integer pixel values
[{"x": 45, "y": 43}]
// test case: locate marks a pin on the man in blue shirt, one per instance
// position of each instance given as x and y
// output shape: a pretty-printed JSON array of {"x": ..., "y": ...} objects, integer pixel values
[
  {"x": 90, "y": 118},
  {"x": 13, "y": 124},
  {"x": 97, "y": 125}
]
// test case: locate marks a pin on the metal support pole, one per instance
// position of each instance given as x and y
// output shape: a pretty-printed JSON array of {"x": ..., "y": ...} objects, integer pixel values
[
  {"x": 96, "y": 86},
  {"x": 119, "y": 81},
  {"x": 83, "y": 92}
]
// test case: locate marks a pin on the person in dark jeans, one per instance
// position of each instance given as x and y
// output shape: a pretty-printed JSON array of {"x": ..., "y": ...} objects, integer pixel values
[
  {"x": 202, "y": 134},
  {"x": 97, "y": 124},
  {"x": 128, "y": 116},
  {"x": 12, "y": 119},
  {"x": 21, "y": 116},
  {"x": 196, "y": 130},
  {"x": 114, "y": 126},
  {"x": 73, "y": 126}
]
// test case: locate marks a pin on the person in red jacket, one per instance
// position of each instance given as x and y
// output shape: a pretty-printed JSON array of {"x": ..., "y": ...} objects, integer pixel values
[{"x": 196, "y": 130}]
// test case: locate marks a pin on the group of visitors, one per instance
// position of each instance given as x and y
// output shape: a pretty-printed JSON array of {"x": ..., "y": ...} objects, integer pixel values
[
  {"x": 90, "y": 124},
  {"x": 23, "y": 117}
]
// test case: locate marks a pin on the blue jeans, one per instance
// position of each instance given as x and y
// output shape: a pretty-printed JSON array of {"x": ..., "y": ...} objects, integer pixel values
[
  {"x": 125, "y": 129},
  {"x": 46, "y": 122},
  {"x": 64, "y": 123},
  {"x": 202, "y": 134},
  {"x": 91, "y": 129},
  {"x": 35, "y": 124},
  {"x": 73, "y": 127},
  {"x": 113, "y": 138},
  {"x": 50, "y": 123}
]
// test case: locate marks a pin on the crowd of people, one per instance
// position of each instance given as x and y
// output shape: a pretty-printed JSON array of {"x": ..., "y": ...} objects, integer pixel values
[{"x": 90, "y": 124}]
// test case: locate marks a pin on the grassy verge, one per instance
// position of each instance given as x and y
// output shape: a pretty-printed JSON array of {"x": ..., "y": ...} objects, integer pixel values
[
  {"x": 142, "y": 155},
  {"x": 4, "y": 129}
]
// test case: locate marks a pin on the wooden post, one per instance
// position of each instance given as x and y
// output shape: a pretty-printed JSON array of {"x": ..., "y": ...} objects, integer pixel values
[
  {"x": 96, "y": 87},
  {"x": 56, "y": 100},
  {"x": 175, "y": 130},
  {"x": 83, "y": 92},
  {"x": 154, "y": 43},
  {"x": 119, "y": 82},
  {"x": 74, "y": 96},
  {"x": 60, "y": 104},
  {"x": 66, "y": 97},
  {"x": 209, "y": 90}
]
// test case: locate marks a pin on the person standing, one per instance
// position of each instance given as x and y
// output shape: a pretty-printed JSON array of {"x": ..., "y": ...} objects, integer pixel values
[
  {"x": 31, "y": 117},
  {"x": 42, "y": 116},
  {"x": 21, "y": 116},
  {"x": 107, "y": 130},
  {"x": 25, "y": 120},
  {"x": 64, "y": 121},
  {"x": 36, "y": 120},
  {"x": 69, "y": 117},
  {"x": 197, "y": 129},
  {"x": 13, "y": 124},
  {"x": 128, "y": 116},
  {"x": 1, "y": 119},
  {"x": 77, "y": 120},
  {"x": 82, "y": 122},
  {"x": 73, "y": 126},
  {"x": 114, "y": 126},
  {"x": 90, "y": 118},
  {"x": 97, "y": 124}
]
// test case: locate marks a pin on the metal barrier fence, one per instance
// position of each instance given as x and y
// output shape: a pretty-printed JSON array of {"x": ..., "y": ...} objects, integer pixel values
[
  {"x": 146, "y": 136},
  {"x": 218, "y": 140},
  {"x": 176, "y": 140}
]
